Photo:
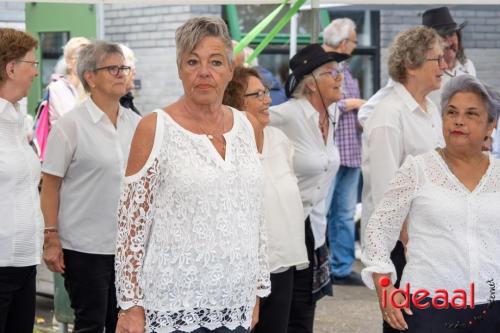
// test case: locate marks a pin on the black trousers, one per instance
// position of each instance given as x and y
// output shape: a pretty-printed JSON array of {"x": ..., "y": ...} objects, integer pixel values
[
  {"x": 275, "y": 309},
  {"x": 399, "y": 260},
  {"x": 17, "y": 299},
  {"x": 303, "y": 307},
  {"x": 90, "y": 282},
  {"x": 238, "y": 329},
  {"x": 451, "y": 320}
]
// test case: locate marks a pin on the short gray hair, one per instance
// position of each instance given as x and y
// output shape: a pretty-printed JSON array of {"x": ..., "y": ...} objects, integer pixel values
[
  {"x": 468, "y": 83},
  {"x": 409, "y": 50},
  {"x": 337, "y": 31},
  {"x": 92, "y": 55},
  {"x": 74, "y": 45},
  {"x": 188, "y": 35},
  {"x": 302, "y": 90}
]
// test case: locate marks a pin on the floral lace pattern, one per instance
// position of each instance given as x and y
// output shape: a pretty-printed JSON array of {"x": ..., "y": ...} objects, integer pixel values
[
  {"x": 454, "y": 237},
  {"x": 191, "y": 243}
]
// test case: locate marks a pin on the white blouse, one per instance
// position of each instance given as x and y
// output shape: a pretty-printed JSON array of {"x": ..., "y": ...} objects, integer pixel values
[
  {"x": 191, "y": 236},
  {"x": 282, "y": 204},
  {"x": 90, "y": 154},
  {"x": 398, "y": 127},
  {"x": 454, "y": 234},
  {"x": 21, "y": 221},
  {"x": 315, "y": 163}
]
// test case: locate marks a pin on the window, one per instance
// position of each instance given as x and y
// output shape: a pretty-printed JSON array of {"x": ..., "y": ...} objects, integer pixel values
[
  {"x": 51, "y": 44},
  {"x": 365, "y": 62}
]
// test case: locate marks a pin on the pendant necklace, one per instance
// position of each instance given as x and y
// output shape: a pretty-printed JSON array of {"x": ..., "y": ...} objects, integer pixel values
[{"x": 211, "y": 137}]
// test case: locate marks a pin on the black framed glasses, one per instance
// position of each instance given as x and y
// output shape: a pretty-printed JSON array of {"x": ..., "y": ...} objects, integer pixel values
[
  {"x": 114, "y": 69},
  {"x": 439, "y": 59},
  {"x": 33, "y": 63},
  {"x": 260, "y": 94}
]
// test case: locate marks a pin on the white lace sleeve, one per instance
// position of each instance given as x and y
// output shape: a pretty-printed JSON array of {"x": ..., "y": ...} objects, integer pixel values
[
  {"x": 263, "y": 278},
  {"x": 135, "y": 217},
  {"x": 383, "y": 229},
  {"x": 136, "y": 213}
]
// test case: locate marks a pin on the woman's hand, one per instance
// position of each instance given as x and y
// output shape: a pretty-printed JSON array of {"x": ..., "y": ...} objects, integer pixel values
[
  {"x": 132, "y": 320},
  {"x": 391, "y": 314},
  {"x": 255, "y": 314},
  {"x": 52, "y": 253}
]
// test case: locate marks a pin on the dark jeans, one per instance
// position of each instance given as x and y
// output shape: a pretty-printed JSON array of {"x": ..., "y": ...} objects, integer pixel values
[
  {"x": 275, "y": 309},
  {"x": 399, "y": 260},
  {"x": 90, "y": 282},
  {"x": 217, "y": 330},
  {"x": 303, "y": 307},
  {"x": 451, "y": 320},
  {"x": 17, "y": 299}
]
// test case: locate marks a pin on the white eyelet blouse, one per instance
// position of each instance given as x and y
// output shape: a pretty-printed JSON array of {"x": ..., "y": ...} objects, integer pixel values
[{"x": 454, "y": 234}]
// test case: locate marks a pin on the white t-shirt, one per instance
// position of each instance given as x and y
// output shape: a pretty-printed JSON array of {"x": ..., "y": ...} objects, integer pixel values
[
  {"x": 90, "y": 154},
  {"x": 282, "y": 204},
  {"x": 315, "y": 163},
  {"x": 21, "y": 221}
]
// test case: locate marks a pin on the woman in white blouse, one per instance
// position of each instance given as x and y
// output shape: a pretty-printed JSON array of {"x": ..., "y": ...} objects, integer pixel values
[
  {"x": 282, "y": 203},
  {"x": 315, "y": 83},
  {"x": 21, "y": 221},
  {"x": 450, "y": 197},
  {"x": 191, "y": 253},
  {"x": 404, "y": 121},
  {"x": 85, "y": 161}
]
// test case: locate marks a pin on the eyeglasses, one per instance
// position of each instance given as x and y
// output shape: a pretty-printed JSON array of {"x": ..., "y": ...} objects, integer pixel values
[
  {"x": 114, "y": 69},
  {"x": 34, "y": 63},
  {"x": 439, "y": 59},
  {"x": 260, "y": 94},
  {"x": 335, "y": 73}
]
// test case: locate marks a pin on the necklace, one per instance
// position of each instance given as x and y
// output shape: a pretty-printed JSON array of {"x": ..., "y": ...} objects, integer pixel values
[
  {"x": 323, "y": 127},
  {"x": 211, "y": 137}
]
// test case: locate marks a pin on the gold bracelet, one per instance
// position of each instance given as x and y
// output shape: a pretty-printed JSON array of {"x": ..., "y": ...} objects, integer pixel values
[{"x": 121, "y": 313}]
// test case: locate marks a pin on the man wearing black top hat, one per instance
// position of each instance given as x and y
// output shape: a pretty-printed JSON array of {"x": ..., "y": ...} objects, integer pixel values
[{"x": 441, "y": 20}]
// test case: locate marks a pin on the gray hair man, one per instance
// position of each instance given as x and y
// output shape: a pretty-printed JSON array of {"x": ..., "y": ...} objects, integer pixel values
[{"x": 340, "y": 36}]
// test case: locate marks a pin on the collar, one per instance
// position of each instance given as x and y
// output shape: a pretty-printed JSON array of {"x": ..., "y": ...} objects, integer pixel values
[
  {"x": 459, "y": 69},
  {"x": 307, "y": 107},
  {"x": 5, "y": 104},
  {"x": 96, "y": 114},
  {"x": 407, "y": 98}
]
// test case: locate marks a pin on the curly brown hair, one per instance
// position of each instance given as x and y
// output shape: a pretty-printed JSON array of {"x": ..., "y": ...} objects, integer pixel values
[
  {"x": 235, "y": 92},
  {"x": 14, "y": 45},
  {"x": 409, "y": 50}
]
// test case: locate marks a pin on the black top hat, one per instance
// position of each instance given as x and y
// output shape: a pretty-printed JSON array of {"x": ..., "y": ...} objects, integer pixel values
[
  {"x": 306, "y": 61},
  {"x": 440, "y": 19}
]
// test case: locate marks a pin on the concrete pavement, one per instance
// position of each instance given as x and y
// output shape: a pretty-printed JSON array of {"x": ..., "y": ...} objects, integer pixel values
[{"x": 350, "y": 310}]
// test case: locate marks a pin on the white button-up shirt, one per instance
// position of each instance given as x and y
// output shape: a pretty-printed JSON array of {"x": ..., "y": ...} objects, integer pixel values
[
  {"x": 90, "y": 154},
  {"x": 398, "y": 127},
  {"x": 315, "y": 163},
  {"x": 454, "y": 234},
  {"x": 21, "y": 221}
]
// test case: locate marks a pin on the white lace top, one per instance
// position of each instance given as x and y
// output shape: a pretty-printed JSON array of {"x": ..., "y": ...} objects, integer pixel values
[
  {"x": 191, "y": 239},
  {"x": 454, "y": 234}
]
